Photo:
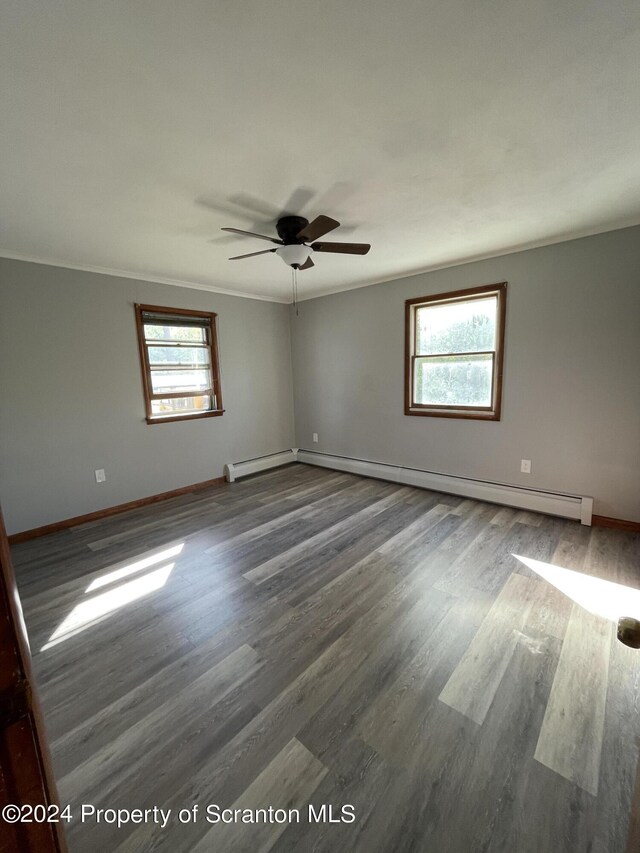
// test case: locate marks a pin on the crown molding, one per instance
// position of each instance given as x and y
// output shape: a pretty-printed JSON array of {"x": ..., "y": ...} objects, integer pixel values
[
  {"x": 155, "y": 279},
  {"x": 474, "y": 259}
]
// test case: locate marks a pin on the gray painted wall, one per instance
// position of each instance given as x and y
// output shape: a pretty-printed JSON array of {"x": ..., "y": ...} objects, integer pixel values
[
  {"x": 71, "y": 393},
  {"x": 571, "y": 398}
]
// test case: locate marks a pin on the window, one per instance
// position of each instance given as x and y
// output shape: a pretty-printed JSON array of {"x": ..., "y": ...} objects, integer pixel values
[
  {"x": 454, "y": 346},
  {"x": 179, "y": 358}
]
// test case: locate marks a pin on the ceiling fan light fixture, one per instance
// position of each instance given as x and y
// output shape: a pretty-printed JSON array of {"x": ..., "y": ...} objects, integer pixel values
[{"x": 295, "y": 254}]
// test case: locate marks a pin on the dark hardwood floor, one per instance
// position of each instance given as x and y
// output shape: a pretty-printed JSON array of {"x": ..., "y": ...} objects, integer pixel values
[{"x": 307, "y": 636}]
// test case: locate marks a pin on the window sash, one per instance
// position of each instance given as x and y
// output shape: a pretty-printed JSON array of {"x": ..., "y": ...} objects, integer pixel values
[
  {"x": 416, "y": 308},
  {"x": 454, "y": 406}
]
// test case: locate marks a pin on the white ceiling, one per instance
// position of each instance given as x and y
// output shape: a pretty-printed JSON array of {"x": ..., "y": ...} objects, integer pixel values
[{"x": 439, "y": 132}]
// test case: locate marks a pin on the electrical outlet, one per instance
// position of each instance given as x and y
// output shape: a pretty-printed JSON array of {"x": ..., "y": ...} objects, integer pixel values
[
  {"x": 315, "y": 438},
  {"x": 525, "y": 466},
  {"x": 100, "y": 475}
]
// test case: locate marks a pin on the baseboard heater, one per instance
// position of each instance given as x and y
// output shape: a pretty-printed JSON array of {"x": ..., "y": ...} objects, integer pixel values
[
  {"x": 578, "y": 507},
  {"x": 234, "y": 470}
]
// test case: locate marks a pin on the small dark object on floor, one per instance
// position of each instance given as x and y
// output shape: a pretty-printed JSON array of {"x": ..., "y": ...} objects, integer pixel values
[{"x": 629, "y": 631}]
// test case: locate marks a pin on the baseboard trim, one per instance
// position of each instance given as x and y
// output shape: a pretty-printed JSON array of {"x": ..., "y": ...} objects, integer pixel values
[
  {"x": 578, "y": 507},
  {"x": 616, "y": 523},
  {"x": 57, "y": 526},
  {"x": 234, "y": 470}
]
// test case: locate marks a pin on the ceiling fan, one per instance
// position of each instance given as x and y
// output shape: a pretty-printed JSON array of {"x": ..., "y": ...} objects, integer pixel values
[{"x": 295, "y": 232}]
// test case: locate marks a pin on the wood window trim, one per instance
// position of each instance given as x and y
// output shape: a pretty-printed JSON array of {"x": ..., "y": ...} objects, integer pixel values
[
  {"x": 492, "y": 413},
  {"x": 212, "y": 342}
]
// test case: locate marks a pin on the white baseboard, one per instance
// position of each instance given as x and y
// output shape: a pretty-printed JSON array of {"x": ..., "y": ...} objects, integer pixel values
[
  {"x": 579, "y": 507},
  {"x": 235, "y": 470}
]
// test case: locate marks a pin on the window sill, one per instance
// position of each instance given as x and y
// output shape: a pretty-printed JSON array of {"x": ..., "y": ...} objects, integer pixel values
[
  {"x": 173, "y": 418},
  {"x": 470, "y": 414}
]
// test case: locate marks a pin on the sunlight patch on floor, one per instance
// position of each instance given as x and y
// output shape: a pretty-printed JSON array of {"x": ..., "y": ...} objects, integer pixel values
[
  {"x": 94, "y": 609},
  {"x": 602, "y": 598},
  {"x": 137, "y": 566}
]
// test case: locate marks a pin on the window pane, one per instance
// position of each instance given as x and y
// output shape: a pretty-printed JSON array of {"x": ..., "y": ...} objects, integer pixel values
[
  {"x": 468, "y": 326},
  {"x": 182, "y": 355},
  {"x": 181, "y": 406},
  {"x": 167, "y": 380},
  {"x": 453, "y": 380},
  {"x": 195, "y": 334}
]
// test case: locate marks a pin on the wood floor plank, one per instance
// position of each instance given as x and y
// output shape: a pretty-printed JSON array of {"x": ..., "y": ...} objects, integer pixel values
[
  {"x": 440, "y": 752},
  {"x": 299, "y": 581},
  {"x": 565, "y": 817},
  {"x": 549, "y": 613},
  {"x": 571, "y": 736},
  {"x": 467, "y": 566},
  {"x": 464, "y": 507},
  {"x": 295, "y": 640},
  {"x": 276, "y": 564},
  {"x": 294, "y": 537},
  {"x": 504, "y": 517},
  {"x": 486, "y": 780},
  {"x": 618, "y": 802},
  {"x": 633, "y": 837},
  {"x": 472, "y": 523},
  {"x": 410, "y": 536},
  {"x": 287, "y": 782},
  {"x": 533, "y": 519},
  {"x": 474, "y": 682},
  {"x": 120, "y": 760},
  {"x": 74, "y": 697},
  {"x": 358, "y": 778},
  {"x": 398, "y": 720},
  {"x": 536, "y": 542},
  {"x": 236, "y": 765},
  {"x": 416, "y": 617},
  {"x": 552, "y": 608},
  {"x": 100, "y": 730},
  {"x": 310, "y": 509}
]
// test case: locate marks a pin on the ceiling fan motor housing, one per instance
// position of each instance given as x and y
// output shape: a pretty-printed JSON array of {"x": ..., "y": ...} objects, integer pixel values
[{"x": 288, "y": 228}]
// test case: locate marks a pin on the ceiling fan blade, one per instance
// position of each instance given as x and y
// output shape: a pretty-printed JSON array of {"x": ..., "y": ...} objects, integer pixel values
[
  {"x": 342, "y": 248},
  {"x": 252, "y": 234},
  {"x": 307, "y": 264},
  {"x": 252, "y": 254},
  {"x": 317, "y": 228}
]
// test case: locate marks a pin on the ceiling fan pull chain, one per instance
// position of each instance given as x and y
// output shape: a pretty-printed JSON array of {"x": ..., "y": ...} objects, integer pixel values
[{"x": 293, "y": 287}]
